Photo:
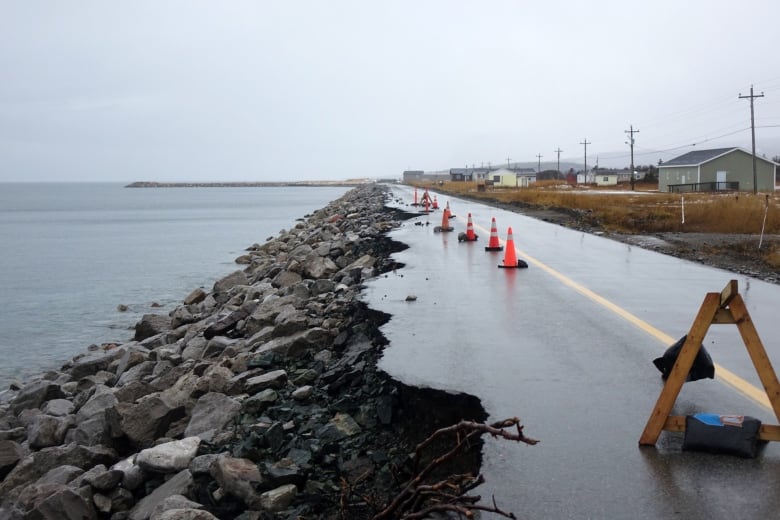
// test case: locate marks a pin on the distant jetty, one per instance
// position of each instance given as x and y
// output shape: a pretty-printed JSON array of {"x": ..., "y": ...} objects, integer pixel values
[{"x": 150, "y": 184}]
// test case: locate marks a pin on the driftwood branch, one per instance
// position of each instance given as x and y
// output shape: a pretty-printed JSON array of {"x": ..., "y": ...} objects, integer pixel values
[{"x": 419, "y": 498}]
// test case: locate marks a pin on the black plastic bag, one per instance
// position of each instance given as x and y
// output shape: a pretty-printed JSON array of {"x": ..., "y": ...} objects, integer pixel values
[
  {"x": 728, "y": 434},
  {"x": 702, "y": 365}
]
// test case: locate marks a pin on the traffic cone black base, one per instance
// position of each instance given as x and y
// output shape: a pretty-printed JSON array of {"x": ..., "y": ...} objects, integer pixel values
[
  {"x": 510, "y": 258},
  {"x": 469, "y": 235},
  {"x": 521, "y": 264},
  {"x": 494, "y": 244}
]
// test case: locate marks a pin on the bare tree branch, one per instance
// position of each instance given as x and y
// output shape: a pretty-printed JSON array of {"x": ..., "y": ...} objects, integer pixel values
[{"x": 418, "y": 498}]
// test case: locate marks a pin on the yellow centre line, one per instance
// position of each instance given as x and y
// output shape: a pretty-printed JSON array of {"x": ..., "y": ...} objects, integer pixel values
[{"x": 723, "y": 374}]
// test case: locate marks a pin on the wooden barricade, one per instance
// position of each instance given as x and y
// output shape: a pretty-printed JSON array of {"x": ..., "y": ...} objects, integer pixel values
[{"x": 726, "y": 307}]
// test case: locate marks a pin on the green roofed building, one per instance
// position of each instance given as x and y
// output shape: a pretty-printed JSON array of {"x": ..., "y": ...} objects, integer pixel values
[{"x": 718, "y": 169}]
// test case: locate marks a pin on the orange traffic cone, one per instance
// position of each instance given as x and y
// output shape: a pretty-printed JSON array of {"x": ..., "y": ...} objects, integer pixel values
[
  {"x": 449, "y": 210},
  {"x": 445, "y": 222},
  {"x": 494, "y": 244},
  {"x": 469, "y": 235},
  {"x": 510, "y": 258},
  {"x": 415, "y": 203},
  {"x": 435, "y": 203}
]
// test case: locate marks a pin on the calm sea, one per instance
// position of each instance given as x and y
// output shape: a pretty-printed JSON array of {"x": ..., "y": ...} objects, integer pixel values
[{"x": 71, "y": 253}]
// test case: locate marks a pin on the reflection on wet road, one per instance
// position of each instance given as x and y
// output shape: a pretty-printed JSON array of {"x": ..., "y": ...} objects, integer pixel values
[{"x": 567, "y": 345}]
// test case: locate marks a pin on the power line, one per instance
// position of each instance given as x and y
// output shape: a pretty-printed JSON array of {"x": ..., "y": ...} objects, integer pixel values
[
  {"x": 631, "y": 133},
  {"x": 673, "y": 148},
  {"x": 558, "y": 151},
  {"x": 585, "y": 169},
  {"x": 751, "y": 97}
]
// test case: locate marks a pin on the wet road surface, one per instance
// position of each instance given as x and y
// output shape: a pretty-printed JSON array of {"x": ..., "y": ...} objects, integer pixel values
[{"x": 567, "y": 346}]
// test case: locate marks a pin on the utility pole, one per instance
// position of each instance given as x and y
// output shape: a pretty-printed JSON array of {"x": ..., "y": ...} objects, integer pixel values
[
  {"x": 753, "y": 133},
  {"x": 539, "y": 158},
  {"x": 558, "y": 151},
  {"x": 585, "y": 171},
  {"x": 631, "y": 133},
  {"x": 507, "y": 163}
]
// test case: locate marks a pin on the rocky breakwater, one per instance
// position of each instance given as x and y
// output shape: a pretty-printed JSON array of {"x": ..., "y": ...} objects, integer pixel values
[{"x": 258, "y": 399}]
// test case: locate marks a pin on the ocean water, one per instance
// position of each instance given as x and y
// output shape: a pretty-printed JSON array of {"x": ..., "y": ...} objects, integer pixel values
[{"x": 71, "y": 253}]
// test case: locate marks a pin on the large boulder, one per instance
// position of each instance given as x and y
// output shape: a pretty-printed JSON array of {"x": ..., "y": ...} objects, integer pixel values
[
  {"x": 211, "y": 414},
  {"x": 240, "y": 478},
  {"x": 229, "y": 322},
  {"x": 186, "y": 388},
  {"x": 151, "y": 325},
  {"x": 169, "y": 457},
  {"x": 274, "y": 379},
  {"x": 34, "y": 394},
  {"x": 98, "y": 420},
  {"x": 196, "y": 296},
  {"x": 132, "y": 356},
  {"x": 178, "y": 507},
  {"x": 295, "y": 345},
  {"x": 289, "y": 321},
  {"x": 100, "y": 478},
  {"x": 38, "y": 463},
  {"x": 286, "y": 279},
  {"x": 228, "y": 282},
  {"x": 179, "y": 484},
  {"x": 47, "y": 430},
  {"x": 59, "y": 407},
  {"x": 10, "y": 454},
  {"x": 184, "y": 514},
  {"x": 148, "y": 419},
  {"x": 55, "y": 502},
  {"x": 93, "y": 362},
  {"x": 319, "y": 267},
  {"x": 132, "y": 475},
  {"x": 278, "y": 499},
  {"x": 137, "y": 373}
]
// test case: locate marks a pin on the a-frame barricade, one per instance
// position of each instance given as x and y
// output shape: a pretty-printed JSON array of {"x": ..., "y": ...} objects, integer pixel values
[{"x": 726, "y": 307}]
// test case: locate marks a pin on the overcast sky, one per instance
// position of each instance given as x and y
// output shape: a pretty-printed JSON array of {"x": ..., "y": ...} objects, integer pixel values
[{"x": 300, "y": 90}]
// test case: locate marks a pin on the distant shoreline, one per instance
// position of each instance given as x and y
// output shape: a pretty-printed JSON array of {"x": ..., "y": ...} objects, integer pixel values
[{"x": 149, "y": 184}]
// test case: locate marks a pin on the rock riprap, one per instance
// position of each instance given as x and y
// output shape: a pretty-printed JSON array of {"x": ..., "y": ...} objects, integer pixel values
[{"x": 251, "y": 400}]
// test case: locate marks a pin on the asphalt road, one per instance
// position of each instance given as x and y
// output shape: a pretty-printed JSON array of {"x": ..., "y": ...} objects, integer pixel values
[{"x": 567, "y": 346}]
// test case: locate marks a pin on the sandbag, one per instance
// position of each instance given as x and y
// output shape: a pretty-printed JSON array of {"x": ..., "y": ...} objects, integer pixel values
[
  {"x": 727, "y": 434},
  {"x": 702, "y": 367}
]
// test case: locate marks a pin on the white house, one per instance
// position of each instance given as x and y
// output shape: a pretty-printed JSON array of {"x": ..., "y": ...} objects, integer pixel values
[{"x": 505, "y": 178}]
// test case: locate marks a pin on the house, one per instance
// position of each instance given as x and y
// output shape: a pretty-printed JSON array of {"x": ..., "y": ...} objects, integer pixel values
[
  {"x": 610, "y": 176},
  {"x": 413, "y": 175},
  {"x": 513, "y": 178},
  {"x": 481, "y": 174},
  {"x": 606, "y": 179},
  {"x": 624, "y": 175},
  {"x": 716, "y": 170},
  {"x": 461, "y": 174}
]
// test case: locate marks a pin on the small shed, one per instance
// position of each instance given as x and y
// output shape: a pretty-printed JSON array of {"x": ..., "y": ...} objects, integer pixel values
[
  {"x": 717, "y": 169},
  {"x": 606, "y": 179}
]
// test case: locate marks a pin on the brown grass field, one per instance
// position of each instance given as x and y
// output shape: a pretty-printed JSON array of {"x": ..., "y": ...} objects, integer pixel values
[{"x": 644, "y": 210}]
